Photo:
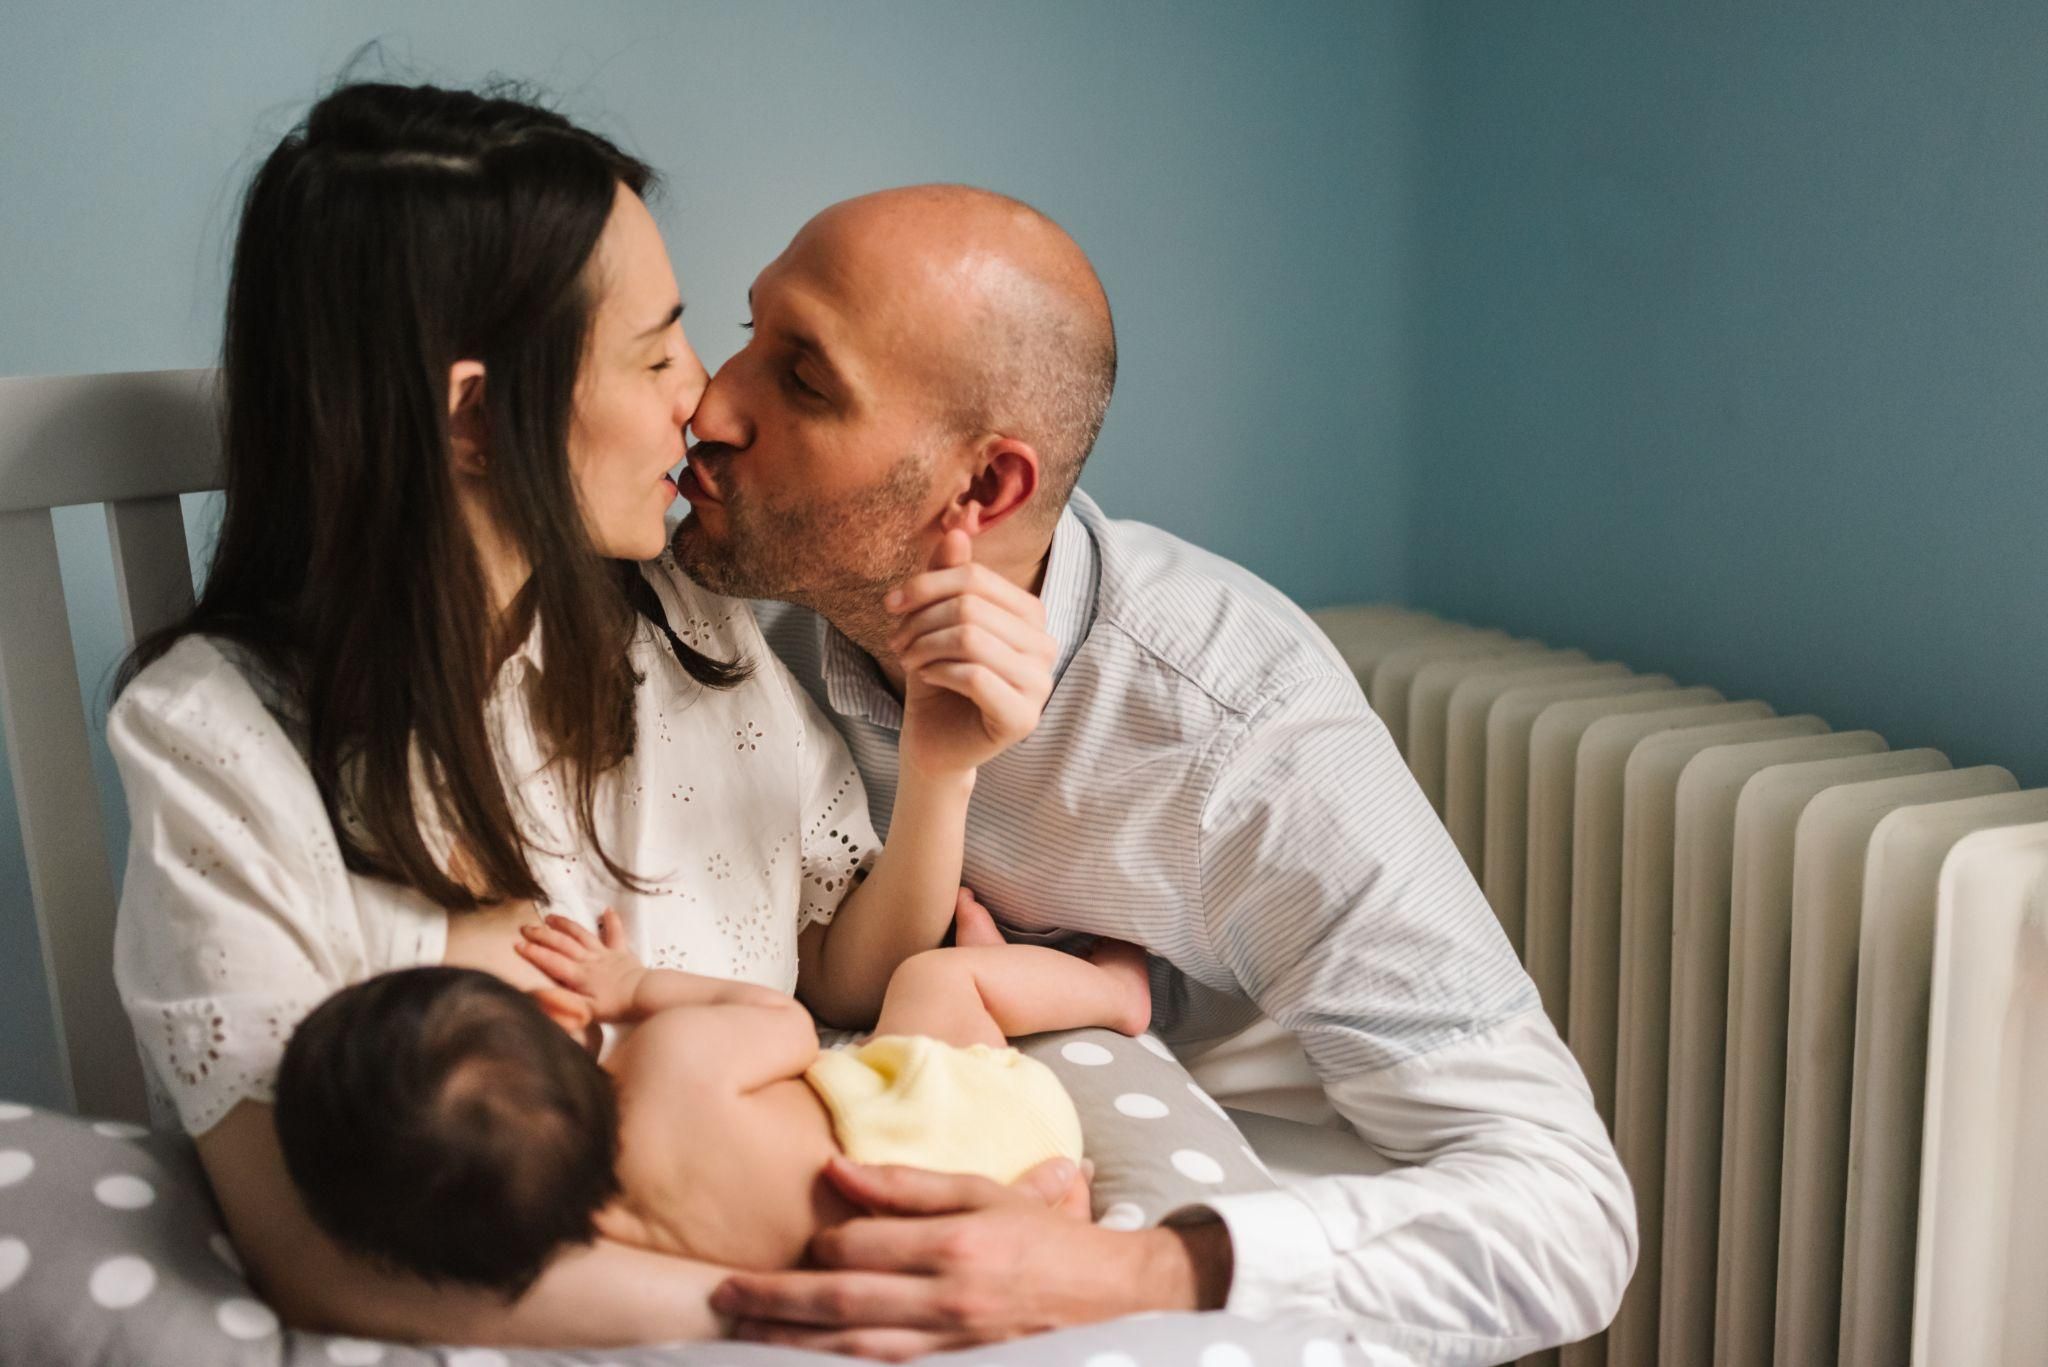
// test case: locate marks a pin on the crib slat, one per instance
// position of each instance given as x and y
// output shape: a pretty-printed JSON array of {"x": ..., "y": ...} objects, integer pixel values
[
  {"x": 152, "y": 572},
  {"x": 61, "y": 830}
]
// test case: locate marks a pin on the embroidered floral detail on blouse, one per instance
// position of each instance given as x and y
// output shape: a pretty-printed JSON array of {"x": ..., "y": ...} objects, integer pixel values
[
  {"x": 193, "y": 1040},
  {"x": 748, "y": 737}
]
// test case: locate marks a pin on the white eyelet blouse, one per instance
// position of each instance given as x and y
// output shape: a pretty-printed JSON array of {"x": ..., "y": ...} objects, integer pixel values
[{"x": 740, "y": 809}]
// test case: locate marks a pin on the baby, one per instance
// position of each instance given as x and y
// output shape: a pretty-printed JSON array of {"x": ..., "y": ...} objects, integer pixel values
[{"x": 442, "y": 1122}]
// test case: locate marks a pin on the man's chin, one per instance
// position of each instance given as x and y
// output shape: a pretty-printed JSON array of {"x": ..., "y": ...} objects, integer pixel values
[{"x": 708, "y": 562}]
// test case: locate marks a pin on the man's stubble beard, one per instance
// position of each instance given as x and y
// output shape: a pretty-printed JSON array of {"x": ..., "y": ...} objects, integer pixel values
[{"x": 837, "y": 559}]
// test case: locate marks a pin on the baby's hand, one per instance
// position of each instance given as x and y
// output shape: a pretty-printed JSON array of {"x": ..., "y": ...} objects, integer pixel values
[{"x": 603, "y": 969}]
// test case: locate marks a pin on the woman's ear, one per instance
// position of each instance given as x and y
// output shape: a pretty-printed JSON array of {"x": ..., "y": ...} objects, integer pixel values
[
  {"x": 1005, "y": 480},
  {"x": 466, "y": 416}
]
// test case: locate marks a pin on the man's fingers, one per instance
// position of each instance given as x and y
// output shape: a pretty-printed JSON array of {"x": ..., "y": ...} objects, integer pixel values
[
  {"x": 878, "y": 1345},
  {"x": 1053, "y": 1179},
  {"x": 890, "y": 1243},
  {"x": 611, "y": 930},
  {"x": 922, "y": 590},
  {"x": 831, "y": 1300},
  {"x": 888, "y": 1189}
]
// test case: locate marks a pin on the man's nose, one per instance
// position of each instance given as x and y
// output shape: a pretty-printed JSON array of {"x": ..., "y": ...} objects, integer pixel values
[{"x": 721, "y": 413}]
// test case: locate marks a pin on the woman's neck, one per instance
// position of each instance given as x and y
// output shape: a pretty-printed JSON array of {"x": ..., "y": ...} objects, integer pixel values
[{"x": 502, "y": 564}]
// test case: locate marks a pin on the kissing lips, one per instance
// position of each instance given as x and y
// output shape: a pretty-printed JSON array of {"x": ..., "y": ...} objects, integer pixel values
[{"x": 697, "y": 483}]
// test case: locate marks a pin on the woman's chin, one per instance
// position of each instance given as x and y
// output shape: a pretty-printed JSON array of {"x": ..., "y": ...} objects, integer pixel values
[{"x": 641, "y": 545}]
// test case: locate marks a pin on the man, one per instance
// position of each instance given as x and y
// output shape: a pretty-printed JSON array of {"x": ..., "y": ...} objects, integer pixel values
[{"x": 1207, "y": 781}]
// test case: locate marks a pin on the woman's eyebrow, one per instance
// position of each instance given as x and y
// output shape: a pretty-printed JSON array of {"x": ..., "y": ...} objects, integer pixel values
[{"x": 665, "y": 324}]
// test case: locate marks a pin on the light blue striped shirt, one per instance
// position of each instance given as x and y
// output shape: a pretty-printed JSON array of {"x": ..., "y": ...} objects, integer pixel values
[{"x": 1208, "y": 781}]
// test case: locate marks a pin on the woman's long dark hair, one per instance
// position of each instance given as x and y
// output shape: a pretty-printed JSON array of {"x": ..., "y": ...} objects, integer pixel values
[{"x": 398, "y": 230}]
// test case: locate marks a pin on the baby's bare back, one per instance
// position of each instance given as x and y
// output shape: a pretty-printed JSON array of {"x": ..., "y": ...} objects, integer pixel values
[{"x": 712, "y": 1172}]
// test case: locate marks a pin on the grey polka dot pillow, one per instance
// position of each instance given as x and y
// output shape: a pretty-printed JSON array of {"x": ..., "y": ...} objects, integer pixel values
[
  {"x": 112, "y": 1249},
  {"x": 1159, "y": 1142}
]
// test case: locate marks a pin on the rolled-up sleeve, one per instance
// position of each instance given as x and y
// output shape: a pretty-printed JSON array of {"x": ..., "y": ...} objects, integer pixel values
[{"x": 1335, "y": 897}]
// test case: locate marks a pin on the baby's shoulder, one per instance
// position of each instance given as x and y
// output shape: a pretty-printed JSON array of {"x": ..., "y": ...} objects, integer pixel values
[{"x": 681, "y": 1042}]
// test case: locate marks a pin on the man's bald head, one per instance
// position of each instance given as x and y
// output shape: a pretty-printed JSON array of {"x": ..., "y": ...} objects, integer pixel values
[{"x": 996, "y": 305}]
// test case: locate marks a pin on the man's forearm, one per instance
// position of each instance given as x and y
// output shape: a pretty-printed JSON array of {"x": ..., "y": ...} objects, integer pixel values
[{"x": 1511, "y": 1230}]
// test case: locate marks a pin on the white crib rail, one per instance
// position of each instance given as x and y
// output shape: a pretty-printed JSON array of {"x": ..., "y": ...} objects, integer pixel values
[{"x": 134, "y": 442}]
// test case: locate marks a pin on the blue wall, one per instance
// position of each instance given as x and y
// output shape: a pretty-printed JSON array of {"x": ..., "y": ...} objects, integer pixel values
[
  {"x": 1733, "y": 353},
  {"x": 1236, "y": 172},
  {"x": 1714, "y": 339}
]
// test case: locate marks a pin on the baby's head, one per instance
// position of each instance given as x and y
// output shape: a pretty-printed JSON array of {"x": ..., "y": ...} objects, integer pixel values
[{"x": 436, "y": 1121}]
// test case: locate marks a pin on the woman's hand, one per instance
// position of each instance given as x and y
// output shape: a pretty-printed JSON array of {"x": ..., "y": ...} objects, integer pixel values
[
  {"x": 600, "y": 968},
  {"x": 977, "y": 661}
]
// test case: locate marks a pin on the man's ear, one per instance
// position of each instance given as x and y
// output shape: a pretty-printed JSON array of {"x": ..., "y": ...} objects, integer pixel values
[
  {"x": 1006, "y": 476},
  {"x": 466, "y": 416}
]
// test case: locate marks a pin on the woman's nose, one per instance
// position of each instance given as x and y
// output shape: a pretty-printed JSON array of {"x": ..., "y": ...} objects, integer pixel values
[{"x": 690, "y": 387}]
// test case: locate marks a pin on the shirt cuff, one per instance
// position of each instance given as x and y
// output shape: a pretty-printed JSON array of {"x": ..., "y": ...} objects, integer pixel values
[{"x": 1281, "y": 1259}]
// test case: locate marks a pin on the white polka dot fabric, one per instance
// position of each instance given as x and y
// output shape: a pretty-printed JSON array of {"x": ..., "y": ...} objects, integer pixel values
[
  {"x": 1158, "y": 1141},
  {"x": 111, "y": 1250}
]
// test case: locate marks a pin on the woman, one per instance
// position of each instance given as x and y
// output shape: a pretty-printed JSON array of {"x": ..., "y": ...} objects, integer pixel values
[{"x": 426, "y": 689}]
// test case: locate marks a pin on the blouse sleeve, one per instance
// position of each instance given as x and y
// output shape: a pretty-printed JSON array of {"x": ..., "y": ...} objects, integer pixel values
[
  {"x": 234, "y": 919},
  {"x": 838, "y": 842}
]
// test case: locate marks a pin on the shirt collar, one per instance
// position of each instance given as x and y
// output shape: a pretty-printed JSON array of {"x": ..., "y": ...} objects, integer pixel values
[
  {"x": 1073, "y": 572},
  {"x": 854, "y": 683},
  {"x": 521, "y": 663},
  {"x": 856, "y": 687}
]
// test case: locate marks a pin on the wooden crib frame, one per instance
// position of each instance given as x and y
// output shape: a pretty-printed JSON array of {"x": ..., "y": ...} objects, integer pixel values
[{"x": 134, "y": 442}]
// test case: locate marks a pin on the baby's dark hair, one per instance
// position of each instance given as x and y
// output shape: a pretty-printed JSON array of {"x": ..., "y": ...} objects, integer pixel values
[{"x": 438, "y": 1123}]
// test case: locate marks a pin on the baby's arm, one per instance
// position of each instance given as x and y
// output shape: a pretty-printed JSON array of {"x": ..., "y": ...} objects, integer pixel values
[
  {"x": 976, "y": 666},
  {"x": 603, "y": 969}
]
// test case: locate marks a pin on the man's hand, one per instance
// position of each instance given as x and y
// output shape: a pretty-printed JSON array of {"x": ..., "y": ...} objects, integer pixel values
[
  {"x": 944, "y": 1261},
  {"x": 976, "y": 658}
]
